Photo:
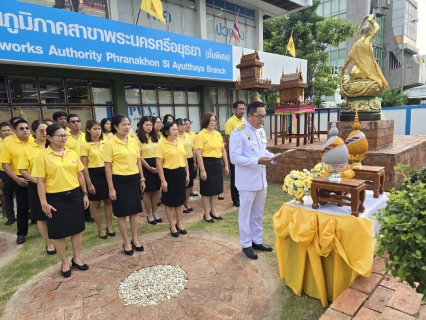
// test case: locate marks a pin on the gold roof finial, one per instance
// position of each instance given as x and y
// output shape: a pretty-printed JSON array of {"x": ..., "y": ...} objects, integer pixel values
[
  {"x": 242, "y": 52},
  {"x": 356, "y": 125}
]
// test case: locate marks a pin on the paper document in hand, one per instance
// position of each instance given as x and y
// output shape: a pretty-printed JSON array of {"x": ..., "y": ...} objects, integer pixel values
[{"x": 279, "y": 155}]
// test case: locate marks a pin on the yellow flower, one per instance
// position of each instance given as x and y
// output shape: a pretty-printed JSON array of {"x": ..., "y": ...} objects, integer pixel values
[
  {"x": 301, "y": 175},
  {"x": 290, "y": 192},
  {"x": 285, "y": 188},
  {"x": 307, "y": 183},
  {"x": 299, "y": 194},
  {"x": 290, "y": 181},
  {"x": 318, "y": 166},
  {"x": 299, "y": 183}
]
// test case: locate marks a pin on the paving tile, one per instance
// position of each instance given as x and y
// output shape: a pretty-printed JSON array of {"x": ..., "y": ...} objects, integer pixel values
[
  {"x": 331, "y": 314},
  {"x": 392, "y": 314},
  {"x": 366, "y": 314},
  {"x": 257, "y": 307},
  {"x": 366, "y": 284},
  {"x": 390, "y": 282},
  {"x": 379, "y": 299},
  {"x": 422, "y": 313},
  {"x": 406, "y": 300},
  {"x": 349, "y": 301},
  {"x": 379, "y": 266}
]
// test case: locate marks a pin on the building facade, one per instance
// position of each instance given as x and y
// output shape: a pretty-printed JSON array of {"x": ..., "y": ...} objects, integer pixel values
[{"x": 114, "y": 58}]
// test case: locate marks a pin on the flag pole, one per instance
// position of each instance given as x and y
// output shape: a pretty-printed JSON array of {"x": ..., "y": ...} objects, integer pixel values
[{"x": 137, "y": 19}]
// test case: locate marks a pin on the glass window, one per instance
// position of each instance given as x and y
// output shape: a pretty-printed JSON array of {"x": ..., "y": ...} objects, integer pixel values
[
  {"x": 23, "y": 89},
  {"x": 3, "y": 91},
  {"x": 135, "y": 114},
  {"x": 165, "y": 94},
  {"x": 150, "y": 111},
  {"x": 213, "y": 96},
  {"x": 149, "y": 93},
  {"x": 132, "y": 94},
  {"x": 103, "y": 112},
  {"x": 175, "y": 22},
  {"x": 166, "y": 110},
  {"x": 51, "y": 90},
  {"x": 211, "y": 31},
  {"x": 4, "y": 114},
  {"x": 101, "y": 92},
  {"x": 194, "y": 116},
  {"x": 193, "y": 95},
  {"x": 77, "y": 91},
  {"x": 84, "y": 113},
  {"x": 50, "y": 110},
  {"x": 223, "y": 117},
  {"x": 179, "y": 94},
  {"x": 232, "y": 95},
  {"x": 189, "y": 23},
  {"x": 243, "y": 95},
  {"x": 181, "y": 112},
  {"x": 28, "y": 113},
  {"x": 222, "y": 96}
]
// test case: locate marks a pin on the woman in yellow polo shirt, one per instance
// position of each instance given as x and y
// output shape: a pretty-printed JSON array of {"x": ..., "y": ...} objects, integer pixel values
[
  {"x": 106, "y": 128},
  {"x": 59, "y": 178},
  {"x": 190, "y": 157},
  {"x": 210, "y": 152},
  {"x": 25, "y": 166},
  {"x": 158, "y": 127},
  {"x": 172, "y": 168},
  {"x": 148, "y": 140},
  {"x": 125, "y": 179},
  {"x": 94, "y": 174}
]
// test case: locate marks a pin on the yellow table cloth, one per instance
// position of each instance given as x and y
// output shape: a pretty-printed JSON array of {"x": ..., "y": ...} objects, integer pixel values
[{"x": 321, "y": 254}]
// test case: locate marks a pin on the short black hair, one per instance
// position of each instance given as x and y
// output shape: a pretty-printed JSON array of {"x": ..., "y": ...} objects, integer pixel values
[
  {"x": 166, "y": 116},
  {"x": 5, "y": 124},
  {"x": 166, "y": 128},
  {"x": 103, "y": 122},
  {"x": 58, "y": 114},
  {"x": 236, "y": 103},
  {"x": 89, "y": 125},
  {"x": 116, "y": 120},
  {"x": 72, "y": 115},
  {"x": 17, "y": 122},
  {"x": 252, "y": 107},
  {"x": 13, "y": 120}
]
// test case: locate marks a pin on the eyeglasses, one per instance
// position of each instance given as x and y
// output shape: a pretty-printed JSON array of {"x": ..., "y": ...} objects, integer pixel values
[
  {"x": 61, "y": 136},
  {"x": 158, "y": 122},
  {"x": 75, "y": 121},
  {"x": 24, "y": 128},
  {"x": 257, "y": 116}
]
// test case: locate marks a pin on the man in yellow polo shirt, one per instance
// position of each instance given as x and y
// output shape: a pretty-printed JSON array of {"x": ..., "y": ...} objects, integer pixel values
[
  {"x": 9, "y": 158},
  {"x": 231, "y": 124},
  {"x": 61, "y": 118},
  {"x": 75, "y": 137},
  {"x": 5, "y": 180}
]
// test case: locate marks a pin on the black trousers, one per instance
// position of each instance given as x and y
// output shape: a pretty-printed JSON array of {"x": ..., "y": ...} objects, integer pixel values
[
  {"x": 23, "y": 208},
  {"x": 234, "y": 191},
  {"x": 7, "y": 205}
]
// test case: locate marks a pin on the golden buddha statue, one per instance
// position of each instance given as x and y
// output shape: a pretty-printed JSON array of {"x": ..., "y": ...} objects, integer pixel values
[{"x": 366, "y": 80}]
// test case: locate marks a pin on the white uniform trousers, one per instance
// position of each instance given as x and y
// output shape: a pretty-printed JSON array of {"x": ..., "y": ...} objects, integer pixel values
[{"x": 250, "y": 216}]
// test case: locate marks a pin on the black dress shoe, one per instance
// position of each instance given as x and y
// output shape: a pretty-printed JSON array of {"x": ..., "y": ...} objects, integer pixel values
[
  {"x": 216, "y": 217},
  {"x": 159, "y": 220},
  {"x": 236, "y": 203},
  {"x": 151, "y": 221},
  {"x": 210, "y": 221},
  {"x": 194, "y": 194},
  {"x": 185, "y": 211},
  {"x": 105, "y": 236},
  {"x": 221, "y": 198},
  {"x": 190, "y": 209},
  {"x": 174, "y": 234},
  {"x": 250, "y": 253},
  {"x": 20, "y": 239},
  {"x": 111, "y": 234},
  {"x": 128, "y": 252},
  {"x": 10, "y": 221},
  {"x": 89, "y": 219},
  {"x": 66, "y": 274},
  {"x": 141, "y": 248},
  {"x": 181, "y": 231},
  {"x": 261, "y": 247},
  {"x": 50, "y": 253},
  {"x": 82, "y": 267}
]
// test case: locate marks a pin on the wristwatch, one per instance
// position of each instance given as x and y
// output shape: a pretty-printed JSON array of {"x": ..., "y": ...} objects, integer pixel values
[
  {"x": 85, "y": 193},
  {"x": 143, "y": 179}
]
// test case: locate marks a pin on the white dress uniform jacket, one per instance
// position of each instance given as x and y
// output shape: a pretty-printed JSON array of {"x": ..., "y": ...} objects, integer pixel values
[{"x": 246, "y": 146}]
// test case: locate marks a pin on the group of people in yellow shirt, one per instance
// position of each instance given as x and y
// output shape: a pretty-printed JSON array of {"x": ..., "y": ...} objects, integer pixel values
[{"x": 56, "y": 172}]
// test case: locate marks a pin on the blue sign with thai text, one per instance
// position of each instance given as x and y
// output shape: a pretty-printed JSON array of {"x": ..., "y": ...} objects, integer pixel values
[{"x": 36, "y": 34}]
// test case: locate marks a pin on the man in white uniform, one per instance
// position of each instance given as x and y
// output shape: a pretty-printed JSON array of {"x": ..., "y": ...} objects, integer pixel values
[{"x": 250, "y": 157}]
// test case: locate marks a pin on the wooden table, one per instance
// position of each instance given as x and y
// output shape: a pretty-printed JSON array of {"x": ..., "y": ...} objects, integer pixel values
[
  {"x": 374, "y": 176},
  {"x": 324, "y": 191}
]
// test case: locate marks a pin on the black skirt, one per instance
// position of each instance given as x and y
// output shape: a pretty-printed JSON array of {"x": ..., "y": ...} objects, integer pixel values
[
  {"x": 36, "y": 212},
  {"x": 68, "y": 219},
  {"x": 98, "y": 179},
  {"x": 213, "y": 186},
  {"x": 128, "y": 190},
  {"x": 152, "y": 180},
  {"x": 175, "y": 195},
  {"x": 192, "y": 172}
]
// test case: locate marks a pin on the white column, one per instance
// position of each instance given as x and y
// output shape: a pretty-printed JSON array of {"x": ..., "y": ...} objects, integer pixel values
[
  {"x": 113, "y": 9},
  {"x": 258, "y": 16},
  {"x": 200, "y": 6}
]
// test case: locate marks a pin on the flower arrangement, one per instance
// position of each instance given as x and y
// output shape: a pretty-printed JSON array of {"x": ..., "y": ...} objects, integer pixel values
[
  {"x": 320, "y": 169},
  {"x": 298, "y": 184}
]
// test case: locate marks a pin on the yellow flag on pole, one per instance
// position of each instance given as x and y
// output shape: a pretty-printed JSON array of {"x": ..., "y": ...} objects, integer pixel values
[
  {"x": 290, "y": 46},
  {"x": 154, "y": 8}
]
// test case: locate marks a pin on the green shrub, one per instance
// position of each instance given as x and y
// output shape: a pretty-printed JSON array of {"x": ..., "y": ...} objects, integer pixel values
[
  {"x": 414, "y": 101},
  {"x": 403, "y": 230}
]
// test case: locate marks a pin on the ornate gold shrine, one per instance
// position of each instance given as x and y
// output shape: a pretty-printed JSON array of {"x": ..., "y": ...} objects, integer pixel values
[
  {"x": 366, "y": 80},
  {"x": 251, "y": 73}
]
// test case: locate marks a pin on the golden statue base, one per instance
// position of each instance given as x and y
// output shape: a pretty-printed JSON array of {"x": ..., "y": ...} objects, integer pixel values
[
  {"x": 362, "y": 87},
  {"x": 369, "y": 109}
]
